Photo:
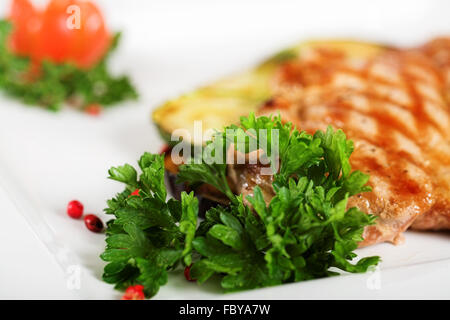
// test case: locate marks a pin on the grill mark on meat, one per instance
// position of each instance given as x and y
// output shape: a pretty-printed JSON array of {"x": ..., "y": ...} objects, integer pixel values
[
  {"x": 412, "y": 182},
  {"x": 438, "y": 218}
]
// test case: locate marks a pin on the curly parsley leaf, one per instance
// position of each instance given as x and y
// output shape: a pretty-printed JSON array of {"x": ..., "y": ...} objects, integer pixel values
[
  {"x": 188, "y": 223},
  {"x": 148, "y": 236},
  {"x": 56, "y": 84},
  {"x": 212, "y": 168},
  {"x": 305, "y": 231}
]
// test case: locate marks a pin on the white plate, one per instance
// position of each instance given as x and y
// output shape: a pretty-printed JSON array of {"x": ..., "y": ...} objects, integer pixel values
[{"x": 168, "y": 48}]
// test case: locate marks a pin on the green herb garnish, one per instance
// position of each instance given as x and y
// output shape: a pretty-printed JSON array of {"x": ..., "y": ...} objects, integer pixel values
[
  {"x": 305, "y": 232},
  {"x": 59, "y": 83}
]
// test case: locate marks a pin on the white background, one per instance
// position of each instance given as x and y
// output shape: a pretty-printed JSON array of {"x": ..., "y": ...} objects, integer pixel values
[{"x": 170, "y": 47}]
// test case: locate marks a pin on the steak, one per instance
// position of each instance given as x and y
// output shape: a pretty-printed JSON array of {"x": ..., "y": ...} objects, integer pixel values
[{"x": 395, "y": 107}]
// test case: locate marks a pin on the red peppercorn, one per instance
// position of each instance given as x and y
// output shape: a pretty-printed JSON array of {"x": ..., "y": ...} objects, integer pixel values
[
  {"x": 93, "y": 109},
  {"x": 75, "y": 209},
  {"x": 165, "y": 149},
  {"x": 93, "y": 223},
  {"x": 134, "y": 293},
  {"x": 187, "y": 273},
  {"x": 135, "y": 192}
]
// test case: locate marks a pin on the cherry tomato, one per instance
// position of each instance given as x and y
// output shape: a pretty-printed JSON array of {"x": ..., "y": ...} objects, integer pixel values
[
  {"x": 27, "y": 23},
  {"x": 65, "y": 31}
]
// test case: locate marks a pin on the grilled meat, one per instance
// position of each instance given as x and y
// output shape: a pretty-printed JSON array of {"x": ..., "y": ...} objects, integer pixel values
[{"x": 394, "y": 106}]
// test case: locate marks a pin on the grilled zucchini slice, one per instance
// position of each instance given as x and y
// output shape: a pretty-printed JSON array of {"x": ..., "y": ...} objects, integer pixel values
[{"x": 225, "y": 101}]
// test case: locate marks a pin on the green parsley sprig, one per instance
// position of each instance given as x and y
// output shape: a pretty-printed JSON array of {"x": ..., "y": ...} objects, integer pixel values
[
  {"x": 305, "y": 232},
  {"x": 59, "y": 83}
]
